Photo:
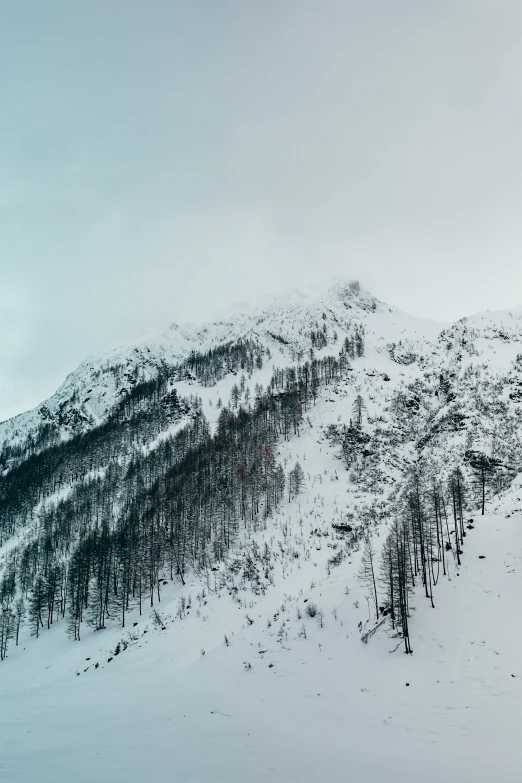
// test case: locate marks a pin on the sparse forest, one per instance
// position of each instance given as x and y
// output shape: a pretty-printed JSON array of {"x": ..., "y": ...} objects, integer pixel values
[{"x": 106, "y": 520}]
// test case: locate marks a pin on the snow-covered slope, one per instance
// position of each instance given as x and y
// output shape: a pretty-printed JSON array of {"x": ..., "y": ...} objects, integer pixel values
[
  {"x": 286, "y": 697},
  {"x": 90, "y": 392},
  {"x": 250, "y": 665}
]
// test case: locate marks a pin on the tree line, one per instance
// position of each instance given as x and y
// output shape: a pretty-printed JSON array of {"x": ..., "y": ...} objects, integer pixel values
[{"x": 127, "y": 519}]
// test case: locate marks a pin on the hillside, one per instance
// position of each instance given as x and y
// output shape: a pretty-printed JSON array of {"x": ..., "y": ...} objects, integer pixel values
[{"x": 184, "y": 526}]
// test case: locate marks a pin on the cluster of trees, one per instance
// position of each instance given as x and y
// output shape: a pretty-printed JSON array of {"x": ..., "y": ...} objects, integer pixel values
[
  {"x": 427, "y": 530},
  {"x": 127, "y": 517},
  {"x": 305, "y": 380},
  {"x": 240, "y": 393},
  {"x": 147, "y": 410},
  {"x": 353, "y": 345},
  {"x": 319, "y": 337},
  {"x": 352, "y": 439},
  {"x": 210, "y": 367},
  {"x": 44, "y": 436}
]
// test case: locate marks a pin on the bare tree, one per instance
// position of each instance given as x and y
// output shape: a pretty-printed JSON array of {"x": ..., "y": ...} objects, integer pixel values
[{"x": 367, "y": 572}]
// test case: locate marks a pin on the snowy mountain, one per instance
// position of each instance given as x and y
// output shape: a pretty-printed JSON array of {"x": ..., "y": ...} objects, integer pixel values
[
  {"x": 218, "y": 543},
  {"x": 285, "y": 325}
]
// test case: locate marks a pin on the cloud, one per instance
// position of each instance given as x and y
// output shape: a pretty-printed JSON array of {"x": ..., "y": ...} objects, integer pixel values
[{"x": 160, "y": 161}]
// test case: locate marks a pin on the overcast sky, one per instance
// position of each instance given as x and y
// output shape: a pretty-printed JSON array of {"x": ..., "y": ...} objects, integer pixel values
[{"x": 162, "y": 159}]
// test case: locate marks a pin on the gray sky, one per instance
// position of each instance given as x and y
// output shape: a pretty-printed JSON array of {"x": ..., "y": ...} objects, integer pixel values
[{"x": 162, "y": 159}]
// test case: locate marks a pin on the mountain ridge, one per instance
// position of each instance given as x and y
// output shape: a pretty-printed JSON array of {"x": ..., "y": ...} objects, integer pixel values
[{"x": 175, "y": 343}]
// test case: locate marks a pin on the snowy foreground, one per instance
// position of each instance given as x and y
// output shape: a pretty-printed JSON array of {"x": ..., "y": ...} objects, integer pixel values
[{"x": 324, "y": 707}]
